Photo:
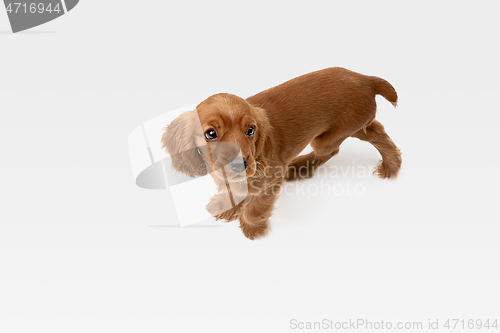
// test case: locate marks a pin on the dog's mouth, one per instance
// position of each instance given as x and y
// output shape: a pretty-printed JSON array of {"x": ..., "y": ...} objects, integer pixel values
[
  {"x": 232, "y": 177},
  {"x": 237, "y": 178}
]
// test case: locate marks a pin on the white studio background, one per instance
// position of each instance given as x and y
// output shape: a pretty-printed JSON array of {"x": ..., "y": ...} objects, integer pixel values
[{"x": 82, "y": 249}]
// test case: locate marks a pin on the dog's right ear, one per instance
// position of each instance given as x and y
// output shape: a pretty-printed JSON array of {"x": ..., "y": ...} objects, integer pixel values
[{"x": 179, "y": 141}]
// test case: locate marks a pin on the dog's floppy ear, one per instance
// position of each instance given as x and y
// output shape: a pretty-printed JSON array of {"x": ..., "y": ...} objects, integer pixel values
[
  {"x": 179, "y": 141},
  {"x": 264, "y": 146}
]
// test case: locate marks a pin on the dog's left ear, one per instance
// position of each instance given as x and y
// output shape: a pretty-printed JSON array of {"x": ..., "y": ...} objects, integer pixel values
[
  {"x": 179, "y": 141},
  {"x": 265, "y": 140}
]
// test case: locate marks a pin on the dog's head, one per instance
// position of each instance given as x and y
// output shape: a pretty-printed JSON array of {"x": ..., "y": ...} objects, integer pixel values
[{"x": 225, "y": 135}]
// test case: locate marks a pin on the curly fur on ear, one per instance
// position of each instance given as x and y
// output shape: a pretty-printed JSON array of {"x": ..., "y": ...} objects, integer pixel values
[
  {"x": 264, "y": 147},
  {"x": 179, "y": 141}
]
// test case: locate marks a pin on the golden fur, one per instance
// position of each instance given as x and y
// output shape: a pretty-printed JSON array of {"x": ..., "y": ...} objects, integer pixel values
[{"x": 322, "y": 108}]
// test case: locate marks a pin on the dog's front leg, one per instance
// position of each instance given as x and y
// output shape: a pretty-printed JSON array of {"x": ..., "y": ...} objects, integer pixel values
[
  {"x": 222, "y": 208},
  {"x": 254, "y": 218}
]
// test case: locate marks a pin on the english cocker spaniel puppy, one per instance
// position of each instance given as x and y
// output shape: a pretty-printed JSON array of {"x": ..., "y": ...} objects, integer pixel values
[{"x": 256, "y": 141}]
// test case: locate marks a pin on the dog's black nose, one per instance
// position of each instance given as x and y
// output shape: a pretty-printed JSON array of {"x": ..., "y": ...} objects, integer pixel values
[{"x": 238, "y": 164}]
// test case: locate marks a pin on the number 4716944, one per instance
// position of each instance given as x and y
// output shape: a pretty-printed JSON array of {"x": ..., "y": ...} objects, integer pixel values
[
  {"x": 19, "y": 7},
  {"x": 470, "y": 324}
]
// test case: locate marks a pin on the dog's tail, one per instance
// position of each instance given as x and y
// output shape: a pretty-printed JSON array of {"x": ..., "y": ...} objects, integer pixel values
[{"x": 384, "y": 88}]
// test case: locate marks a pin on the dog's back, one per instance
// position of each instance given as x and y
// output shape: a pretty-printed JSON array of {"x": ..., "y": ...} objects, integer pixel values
[{"x": 330, "y": 99}]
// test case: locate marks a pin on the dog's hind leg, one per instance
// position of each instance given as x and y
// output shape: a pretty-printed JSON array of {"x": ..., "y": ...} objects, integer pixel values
[
  {"x": 325, "y": 146},
  {"x": 391, "y": 156}
]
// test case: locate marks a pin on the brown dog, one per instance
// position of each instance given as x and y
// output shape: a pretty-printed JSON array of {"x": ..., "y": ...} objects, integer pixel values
[{"x": 270, "y": 129}]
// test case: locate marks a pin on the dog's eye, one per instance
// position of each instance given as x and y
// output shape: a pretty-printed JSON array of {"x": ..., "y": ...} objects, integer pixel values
[
  {"x": 251, "y": 131},
  {"x": 211, "y": 134}
]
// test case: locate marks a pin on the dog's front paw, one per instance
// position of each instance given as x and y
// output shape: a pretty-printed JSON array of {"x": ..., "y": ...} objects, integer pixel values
[
  {"x": 219, "y": 204},
  {"x": 228, "y": 215},
  {"x": 254, "y": 231},
  {"x": 221, "y": 207}
]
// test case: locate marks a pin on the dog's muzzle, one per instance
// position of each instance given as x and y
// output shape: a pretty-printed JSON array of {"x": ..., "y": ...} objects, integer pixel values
[{"x": 238, "y": 164}]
